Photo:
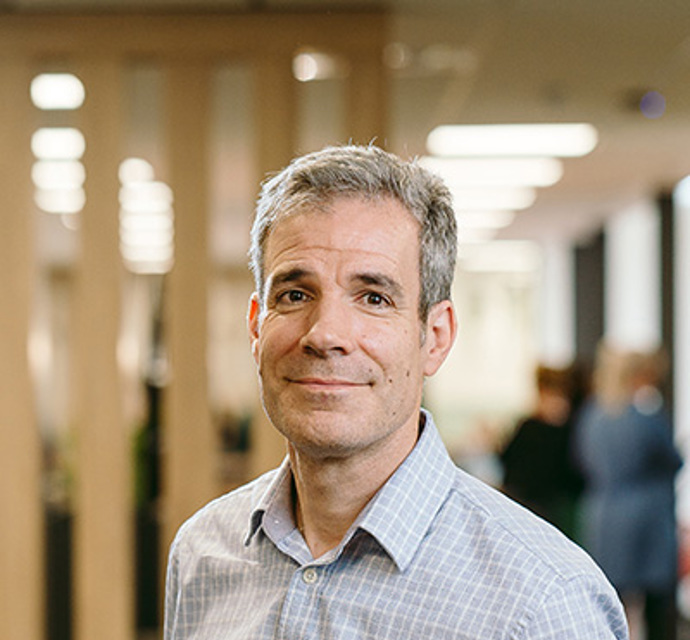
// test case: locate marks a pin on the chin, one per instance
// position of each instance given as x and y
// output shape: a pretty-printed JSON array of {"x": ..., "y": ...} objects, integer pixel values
[{"x": 324, "y": 436}]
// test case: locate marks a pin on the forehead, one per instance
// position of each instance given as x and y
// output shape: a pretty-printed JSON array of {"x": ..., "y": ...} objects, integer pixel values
[{"x": 379, "y": 226}]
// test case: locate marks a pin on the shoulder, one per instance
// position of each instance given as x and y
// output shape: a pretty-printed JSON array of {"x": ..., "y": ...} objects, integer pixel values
[
  {"x": 491, "y": 551},
  {"x": 223, "y": 518},
  {"x": 507, "y": 535}
]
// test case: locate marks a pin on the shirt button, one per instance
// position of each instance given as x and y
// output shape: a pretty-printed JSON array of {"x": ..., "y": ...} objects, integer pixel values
[{"x": 310, "y": 576}]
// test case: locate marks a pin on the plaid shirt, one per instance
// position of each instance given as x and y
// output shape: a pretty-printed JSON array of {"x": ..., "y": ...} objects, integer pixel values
[{"x": 436, "y": 554}]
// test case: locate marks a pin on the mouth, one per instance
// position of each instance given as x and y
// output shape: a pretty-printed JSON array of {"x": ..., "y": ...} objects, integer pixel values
[{"x": 327, "y": 384}]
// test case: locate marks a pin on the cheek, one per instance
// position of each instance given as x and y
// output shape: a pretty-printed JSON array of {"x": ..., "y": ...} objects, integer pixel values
[
  {"x": 274, "y": 341},
  {"x": 396, "y": 354}
]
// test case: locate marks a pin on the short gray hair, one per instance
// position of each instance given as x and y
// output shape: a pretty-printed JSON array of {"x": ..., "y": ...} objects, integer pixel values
[{"x": 316, "y": 179}]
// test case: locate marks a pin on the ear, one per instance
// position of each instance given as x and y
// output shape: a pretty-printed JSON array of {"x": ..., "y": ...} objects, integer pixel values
[
  {"x": 253, "y": 324},
  {"x": 441, "y": 329}
]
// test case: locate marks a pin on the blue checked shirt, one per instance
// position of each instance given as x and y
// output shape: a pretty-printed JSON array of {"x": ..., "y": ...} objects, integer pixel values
[{"x": 435, "y": 555}]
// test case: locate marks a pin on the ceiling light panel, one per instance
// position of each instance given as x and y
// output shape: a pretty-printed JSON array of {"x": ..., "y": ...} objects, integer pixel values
[
  {"x": 495, "y": 172},
  {"x": 508, "y": 199},
  {"x": 52, "y": 91},
  {"x": 58, "y": 143},
  {"x": 560, "y": 140}
]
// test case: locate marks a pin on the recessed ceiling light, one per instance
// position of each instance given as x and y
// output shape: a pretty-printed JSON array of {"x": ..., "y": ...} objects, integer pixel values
[{"x": 316, "y": 65}]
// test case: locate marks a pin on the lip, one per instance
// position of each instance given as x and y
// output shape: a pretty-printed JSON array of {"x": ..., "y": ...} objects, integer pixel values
[{"x": 327, "y": 384}]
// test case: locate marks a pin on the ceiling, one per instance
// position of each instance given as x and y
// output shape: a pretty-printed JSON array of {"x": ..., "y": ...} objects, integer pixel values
[
  {"x": 504, "y": 61},
  {"x": 560, "y": 61}
]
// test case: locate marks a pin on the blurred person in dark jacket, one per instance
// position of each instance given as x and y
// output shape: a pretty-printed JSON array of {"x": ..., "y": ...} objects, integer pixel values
[{"x": 537, "y": 461}]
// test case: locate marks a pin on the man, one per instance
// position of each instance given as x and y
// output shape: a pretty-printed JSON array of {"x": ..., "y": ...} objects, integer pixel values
[{"x": 367, "y": 530}]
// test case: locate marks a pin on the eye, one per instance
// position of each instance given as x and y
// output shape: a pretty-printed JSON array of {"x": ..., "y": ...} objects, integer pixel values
[
  {"x": 292, "y": 296},
  {"x": 375, "y": 299}
]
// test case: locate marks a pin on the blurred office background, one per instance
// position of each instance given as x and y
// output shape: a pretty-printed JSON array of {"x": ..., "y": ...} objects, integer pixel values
[{"x": 133, "y": 137}]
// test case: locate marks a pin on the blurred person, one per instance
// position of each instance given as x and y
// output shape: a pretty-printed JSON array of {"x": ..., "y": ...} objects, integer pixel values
[
  {"x": 367, "y": 530},
  {"x": 538, "y": 462},
  {"x": 625, "y": 447}
]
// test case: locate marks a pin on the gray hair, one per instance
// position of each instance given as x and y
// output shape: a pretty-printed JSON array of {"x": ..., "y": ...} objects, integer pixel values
[{"x": 316, "y": 179}]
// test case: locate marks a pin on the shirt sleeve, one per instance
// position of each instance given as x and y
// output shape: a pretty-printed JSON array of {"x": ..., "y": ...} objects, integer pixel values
[
  {"x": 577, "y": 609},
  {"x": 171, "y": 596}
]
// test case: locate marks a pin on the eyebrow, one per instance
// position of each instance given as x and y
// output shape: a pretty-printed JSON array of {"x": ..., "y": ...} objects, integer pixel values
[
  {"x": 387, "y": 283},
  {"x": 375, "y": 279},
  {"x": 291, "y": 275},
  {"x": 286, "y": 277}
]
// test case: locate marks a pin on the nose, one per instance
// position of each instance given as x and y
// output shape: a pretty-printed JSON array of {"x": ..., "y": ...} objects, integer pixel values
[{"x": 329, "y": 329}]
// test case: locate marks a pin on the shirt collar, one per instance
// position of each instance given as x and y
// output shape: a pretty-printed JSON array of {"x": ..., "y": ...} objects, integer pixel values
[
  {"x": 277, "y": 498},
  {"x": 398, "y": 516},
  {"x": 402, "y": 511}
]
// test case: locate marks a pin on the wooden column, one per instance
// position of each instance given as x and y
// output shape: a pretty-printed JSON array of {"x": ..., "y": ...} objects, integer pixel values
[
  {"x": 189, "y": 460},
  {"x": 103, "y": 536},
  {"x": 21, "y": 521},
  {"x": 366, "y": 99},
  {"x": 276, "y": 109}
]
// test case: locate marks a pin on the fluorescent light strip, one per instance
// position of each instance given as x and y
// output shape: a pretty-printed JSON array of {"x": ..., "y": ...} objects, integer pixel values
[
  {"x": 475, "y": 236},
  {"x": 67, "y": 201},
  {"x": 147, "y": 197},
  {"x": 507, "y": 199},
  {"x": 52, "y": 91},
  {"x": 560, "y": 140},
  {"x": 58, "y": 143},
  {"x": 55, "y": 174},
  {"x": 485, "y": 219},
  {"x": 512, "y": 256},
  {"x": 146, "y": 219},
  {"x": 147, "y": 253},
  {"x": 135, "y": 170},
  {"x": 494, "y": 172}
]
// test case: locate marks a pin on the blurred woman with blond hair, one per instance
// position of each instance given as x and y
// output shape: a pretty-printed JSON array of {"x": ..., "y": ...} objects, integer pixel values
[{"x": 625, "y": 447}]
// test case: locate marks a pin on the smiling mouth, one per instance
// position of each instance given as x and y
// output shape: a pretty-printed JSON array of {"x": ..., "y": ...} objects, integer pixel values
[{"x": 323, "y": 384}]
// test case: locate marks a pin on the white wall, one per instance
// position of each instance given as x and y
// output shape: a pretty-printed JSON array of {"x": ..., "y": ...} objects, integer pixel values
[
  {"x": 556, "y": 312},
  {"x": 632, "y": 299},
  {"x": 682, "y": 340}
]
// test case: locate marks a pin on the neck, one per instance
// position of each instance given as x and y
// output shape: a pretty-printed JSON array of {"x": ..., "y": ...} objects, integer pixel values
[{"x": 330, "y": 494}]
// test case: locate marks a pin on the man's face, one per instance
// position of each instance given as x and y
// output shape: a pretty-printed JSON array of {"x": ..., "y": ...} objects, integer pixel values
[{"x": 338, "y": 343}]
